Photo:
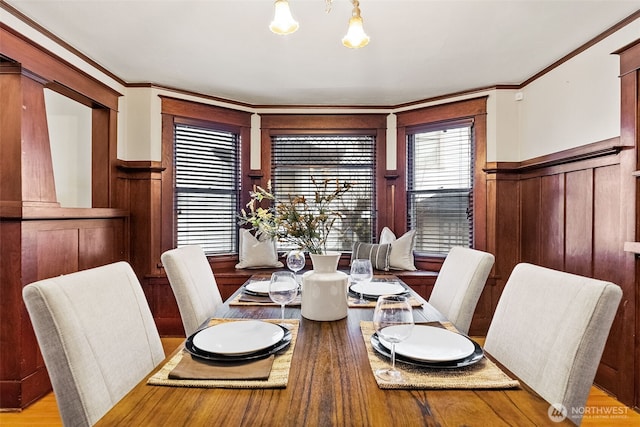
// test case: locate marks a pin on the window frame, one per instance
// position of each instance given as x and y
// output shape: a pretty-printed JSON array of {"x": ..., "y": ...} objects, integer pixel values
[
  {"x": 176, "y": 111},
  {"x": 213, "y": 174},
  {"x": 411, "y": 143},
  {"x": 329, "y": 124},
  {"x": 474, "y": 109},
  {"x": 347, "y": 135}
]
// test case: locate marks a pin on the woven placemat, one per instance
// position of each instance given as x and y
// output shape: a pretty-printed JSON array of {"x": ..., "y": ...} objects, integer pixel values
[
  {"x": 482, "y": 375},
  {"x": 278, "y": 378}
]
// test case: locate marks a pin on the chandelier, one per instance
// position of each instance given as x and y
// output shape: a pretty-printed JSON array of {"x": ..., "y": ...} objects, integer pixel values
[{"x": 283, "y": 23}]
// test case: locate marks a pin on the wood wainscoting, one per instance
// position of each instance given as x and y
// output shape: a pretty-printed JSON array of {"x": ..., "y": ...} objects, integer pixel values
[
  {"x": 43, "y": 244},
  {"x": 568, "y": 211}
]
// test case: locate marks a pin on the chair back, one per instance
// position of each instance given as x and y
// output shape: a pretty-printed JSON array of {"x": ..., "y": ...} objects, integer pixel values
[
  {"x": 193, "y": 284},
  {"x": 460, "y": 283},
  {"x": 550, "y": 328},
  {"x": 97, "y": 337}
]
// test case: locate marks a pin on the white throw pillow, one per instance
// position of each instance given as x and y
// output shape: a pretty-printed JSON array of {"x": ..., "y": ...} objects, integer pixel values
[
  {"x": 254, "y": 253},
  {"x": 401, "y": 256}
]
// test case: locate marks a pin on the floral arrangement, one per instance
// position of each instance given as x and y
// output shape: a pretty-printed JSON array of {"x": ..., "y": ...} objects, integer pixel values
[{"x": 299, "y": 221}]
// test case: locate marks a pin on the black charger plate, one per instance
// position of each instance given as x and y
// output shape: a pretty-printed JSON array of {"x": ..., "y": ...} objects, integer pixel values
[
  {"x": 217, "y": 357},
  {"x": 474, "y": 357},
  {"x": 370, "y": 297}
]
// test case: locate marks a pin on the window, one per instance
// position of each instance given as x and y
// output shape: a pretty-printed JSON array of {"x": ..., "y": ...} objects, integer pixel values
[
  {"x": 440, "y": 186},
  {"x": 297, "y": 158},
  {"x": 206, "y": 187}
]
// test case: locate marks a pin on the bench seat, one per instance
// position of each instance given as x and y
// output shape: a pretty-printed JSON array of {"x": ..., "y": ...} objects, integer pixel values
[{"x": 229, "y": 278}]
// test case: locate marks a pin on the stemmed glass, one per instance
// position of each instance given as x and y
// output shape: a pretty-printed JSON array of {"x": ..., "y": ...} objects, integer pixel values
[
  {"x": 393, "y": 321},
  {"x": 295, "y": 260},
  {"x": 362, "y": 273},
  {"x": 283, "y": 288}
]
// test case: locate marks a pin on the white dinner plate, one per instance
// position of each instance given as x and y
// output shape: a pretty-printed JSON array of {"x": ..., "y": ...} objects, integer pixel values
[
  {"x": 433, "y": 344},
  {"x": 378, "y": 288},
  {"x": 241, "y": 337},
  {"x": 259, "y": 287}
]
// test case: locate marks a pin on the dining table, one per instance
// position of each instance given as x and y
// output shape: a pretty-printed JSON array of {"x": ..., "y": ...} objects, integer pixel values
[{"x": 329, "y": 381}]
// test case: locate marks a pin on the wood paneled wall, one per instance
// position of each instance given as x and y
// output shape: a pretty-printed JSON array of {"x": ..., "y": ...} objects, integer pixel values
[
  {"x": 566, "y": 212},
  {"x": 38, "y": 238},
  {"x": 630, "y": 222},
  {"x": 38, "y": 248}
]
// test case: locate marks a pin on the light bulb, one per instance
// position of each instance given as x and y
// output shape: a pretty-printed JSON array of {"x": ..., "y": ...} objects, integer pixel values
[
  {"x": 283, "y": 22},
  {"x": 356, "y": 37}
]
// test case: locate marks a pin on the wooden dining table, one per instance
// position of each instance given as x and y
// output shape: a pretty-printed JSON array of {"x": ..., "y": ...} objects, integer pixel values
[{"x": 330, "y": 383}]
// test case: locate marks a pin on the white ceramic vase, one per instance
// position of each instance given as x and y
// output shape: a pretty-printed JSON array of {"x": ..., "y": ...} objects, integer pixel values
[{"x": 324, "y": 289}]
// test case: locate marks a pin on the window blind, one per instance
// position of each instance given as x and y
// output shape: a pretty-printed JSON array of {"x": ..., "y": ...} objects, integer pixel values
[
  {"x": 440, "y": 186},
  {"x": 206, "y": 188},
  {"x": 297, "y": 158}
]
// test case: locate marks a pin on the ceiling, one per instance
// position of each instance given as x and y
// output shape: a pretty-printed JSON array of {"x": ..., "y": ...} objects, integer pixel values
[{"x": 419, "y": 49}]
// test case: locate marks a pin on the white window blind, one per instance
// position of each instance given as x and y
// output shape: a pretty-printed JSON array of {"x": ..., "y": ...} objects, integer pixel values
[
  {"x": 296, "y": 158},
  {"x": 440, "y": 186},
  {"x": 206, "y": 188}
]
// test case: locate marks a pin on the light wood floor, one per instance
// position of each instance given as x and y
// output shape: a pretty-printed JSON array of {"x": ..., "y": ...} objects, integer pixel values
[{"x": 601, "y": 409}]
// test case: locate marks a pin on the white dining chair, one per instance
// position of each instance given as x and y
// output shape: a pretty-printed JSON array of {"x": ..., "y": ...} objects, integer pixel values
[
  {"x": 550, "y": 329},
  {"x": 459, "y": 284},
  {"x": 193, "y": 284},
  {"x": 97, "y": 337}
]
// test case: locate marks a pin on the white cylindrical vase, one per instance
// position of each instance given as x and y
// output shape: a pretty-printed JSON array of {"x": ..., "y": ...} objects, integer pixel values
[{"x": 324, "y": 289}]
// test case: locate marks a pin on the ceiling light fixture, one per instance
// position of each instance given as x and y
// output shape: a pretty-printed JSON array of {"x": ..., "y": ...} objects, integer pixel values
[
  {"x": 356, "y": 37},
  {"x": 283, "y": 23}
]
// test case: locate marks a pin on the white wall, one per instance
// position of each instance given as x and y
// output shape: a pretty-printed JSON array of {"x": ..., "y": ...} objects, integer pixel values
[
  {"x": 139, "y": 125},
  {"x": 69, "y": 125},
  {"x": 577, "y": 103}
]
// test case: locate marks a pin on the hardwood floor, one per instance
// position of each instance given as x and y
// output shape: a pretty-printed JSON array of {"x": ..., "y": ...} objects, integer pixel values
[{"x": 601, "y": 409}]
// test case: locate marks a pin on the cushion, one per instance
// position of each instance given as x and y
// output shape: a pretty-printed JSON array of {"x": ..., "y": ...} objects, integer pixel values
[
  {"x": 401, "y": 256},
  {"x": 254, "y": 253},
  {"x": 378, "y": 254}
]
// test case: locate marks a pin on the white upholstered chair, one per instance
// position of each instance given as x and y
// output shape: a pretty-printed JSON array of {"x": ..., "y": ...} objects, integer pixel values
[
  {"x": 193, "y": 284},
  {"x": 460, "y": 283},
  {"x": 550, "y": 329},
  {"x": 97, "y": 336}
]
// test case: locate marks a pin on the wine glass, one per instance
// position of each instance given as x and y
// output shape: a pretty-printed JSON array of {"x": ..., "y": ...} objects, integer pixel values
[
  {"x": 362, "y": 273},
  {"x": 393, "y": 321},
  {"x": 283, "y": 288},
  {"x": 295, "y": 260}
]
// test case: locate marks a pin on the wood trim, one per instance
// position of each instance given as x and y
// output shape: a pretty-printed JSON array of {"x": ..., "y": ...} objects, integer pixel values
[
  {"x": 58, "y": 40},
  {"x": 603, "y": 148},
  {"x": 629, "y": 19},
  {"x": 323, "y": 122},
  {"x": 255, "y": 173},
  {"x": 209, "y": 113},
  {"x": 38, "y": 60},
  {"x": 140, "y": 166},
  {"x": 629, "y": 57},
  {"x": 33, "y": 213},
  {"x": 438, "y": 113}
]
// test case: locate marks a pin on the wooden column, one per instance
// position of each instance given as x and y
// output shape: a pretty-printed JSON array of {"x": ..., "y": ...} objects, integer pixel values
[
  {"x": 630, "y": 227},
  {"x": 38, "y": 238}
]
